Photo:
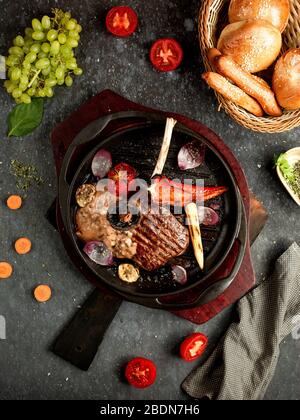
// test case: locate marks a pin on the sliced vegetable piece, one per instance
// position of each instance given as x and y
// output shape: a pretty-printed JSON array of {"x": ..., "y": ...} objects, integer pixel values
[
  {"x": 140, "y": 372},
  {"x": 166, "y": 54},
  {"x": 85, "y": 194},
  {"x": 179, "y": 274},
  {"x": 101, "y": 163},
  {"x": 23, "y": 246},
  {"x": 6, "y": 270},
  {"x": 99, "y": 253},
  {"x": 122, "y": 175},
  {"x": 42, "y": 293},
  {"x": 14, "y": 202},
  {"x": 128, "y": 273},
  {"x": 208, "y": 216},
  {"x": 170, "y": 124},
  {"x": 191, "y": 155},
  {"x": 195, "y": 232},
  {"x": 121, "y": 21},
  {"x": 193, "y": 347}
]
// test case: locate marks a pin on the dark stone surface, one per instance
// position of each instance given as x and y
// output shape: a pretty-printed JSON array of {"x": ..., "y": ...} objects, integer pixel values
[{"x": 28, "y": 369}]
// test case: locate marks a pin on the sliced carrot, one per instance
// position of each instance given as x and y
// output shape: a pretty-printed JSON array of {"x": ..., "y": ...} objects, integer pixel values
[
  {"x": 14, "y": 202},
  {"x": 23, "y": 246},
  {"x": 42, "y": 293},
  {"x": 6, "y": 270}
]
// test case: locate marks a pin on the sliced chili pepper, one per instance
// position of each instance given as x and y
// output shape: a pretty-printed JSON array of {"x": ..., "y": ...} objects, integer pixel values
[
  {"x": 167, "y": 192},
  {"x": 193, "y": 347},
  {"x": 121, "y": 21},
  {"x": 122, "y": 174},
  {"x": 140, "y": 372},
  {"x": 166, "y": 54}
]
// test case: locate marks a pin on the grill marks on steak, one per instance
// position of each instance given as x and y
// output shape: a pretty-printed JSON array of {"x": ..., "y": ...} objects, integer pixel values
[{"x": 159, "y": 238}]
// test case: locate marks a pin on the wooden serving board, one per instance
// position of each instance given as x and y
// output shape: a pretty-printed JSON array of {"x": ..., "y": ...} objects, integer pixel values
[{"x": 79, "y": 341}]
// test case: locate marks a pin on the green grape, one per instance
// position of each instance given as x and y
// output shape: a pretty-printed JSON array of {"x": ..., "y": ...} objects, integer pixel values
[
  {"x": 19, "y": 41},
  {"x": 34, "y": 84},
  {"x": 54, "y": 62},
  {"x": 24, "y": 79},
  {"x": 36, "y": 48},
  {"x": 52, "y": 35},
  {"x": 78, "y": 71},
  {"x": 31, "y": 91},
  {"x": 65, "y": 51},
  {"x": 16, "y": 51},
  {"x": 23, "y": 87},
  {"x": 30, "y": 57},
  {"x": 10, "y": 86},
  {"x": 15, "y": 73},
  {"x": 78, "y": 28},
  {"x": 60, "y": 72},
  {"x": 28, "y": 42},
  {"x": 50, "y": 82},
  {"x": 69, "y": 81},
  {"x": 45, "y": 47},
  {"x": 41, "y": 93},
  {"x": 42, "y": 63},
  {"x": 18, "y": 101},
  {"x": 12, "y": 60},
  {"x": 62, "y": 39},
  {"x": 72, "y": 43},
  {"x": 46, "y": 22},
  {"x": 68, "y": 15},
  {"x": 36, "y": 25},
  {"x": 26, "y": 99},
  {"x": 71, "y": 24},
  {"x": 46, "y": 71},
  {"x": 38, "y": 36},
  {"x": 73, "y": 34},
  {"x": 16, "y": 93},
  {"x": 48, "y": 91},
  {"x": 42, "y": 55},
  {"x": 26, "y": 49},
  {"x": 26, "y": 65},
  {"x": 29, "y": 32},
  {"x": 55, "y": 46},
  {"x": 60, "y": 82},
  {"x": 71, "y": 65}
]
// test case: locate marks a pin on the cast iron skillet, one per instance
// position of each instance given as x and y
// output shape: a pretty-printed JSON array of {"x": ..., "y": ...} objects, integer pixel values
[{"x": 138, "y": 141}]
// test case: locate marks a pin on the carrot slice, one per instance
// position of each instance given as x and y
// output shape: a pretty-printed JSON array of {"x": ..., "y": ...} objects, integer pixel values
[
  {"x": 14, "y": 202},
  {"x": 6, "y": 270},
  {"x": 42, "y": 293},
  {"x": 23, "y": 246}
]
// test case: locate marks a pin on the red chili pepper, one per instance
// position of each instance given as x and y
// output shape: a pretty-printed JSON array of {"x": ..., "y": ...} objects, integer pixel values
[
  {"x": 165, "y": 191},
  {"x": 121, "y": 21},
  {"x": 193, "y": 347},
  {"x": 140, "y": 372}
]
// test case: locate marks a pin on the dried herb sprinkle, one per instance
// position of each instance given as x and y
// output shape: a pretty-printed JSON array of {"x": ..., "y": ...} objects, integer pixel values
[{"x": 26, "y": 176}]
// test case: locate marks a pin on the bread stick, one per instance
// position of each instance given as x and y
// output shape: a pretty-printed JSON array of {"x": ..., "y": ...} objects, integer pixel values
[
  {"x": 253, "y": 86},
  {"x": 212, "y": 54},
  {"x": 233, "y": 93}
]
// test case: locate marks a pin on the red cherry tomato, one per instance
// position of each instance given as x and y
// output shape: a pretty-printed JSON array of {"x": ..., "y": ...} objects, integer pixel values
[
  {"x": 121, "y": 21},
  {"x": 193, "y": 347},
  {"x": 166, "y": 54},
  {"x": 122, "y": 174},
  {"x": 140, "y": 373}
]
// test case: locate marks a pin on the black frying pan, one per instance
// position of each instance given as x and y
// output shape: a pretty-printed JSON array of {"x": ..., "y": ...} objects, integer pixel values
[{"x": 137, "y": 141}]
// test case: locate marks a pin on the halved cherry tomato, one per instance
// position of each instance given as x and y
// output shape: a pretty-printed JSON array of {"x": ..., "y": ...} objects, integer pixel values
[
  {"x": 140, "y": 372},
  {"x": 193, "y": 347},
  {"x": 166, "y": 54},
  {"x": 121, "y": 21},
  {"x": 122, "y": 174}
]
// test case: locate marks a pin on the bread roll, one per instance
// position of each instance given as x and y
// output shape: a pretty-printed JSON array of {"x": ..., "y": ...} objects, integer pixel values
[
  {"x": 286, "y": 79},
  {"x": 276, "y": 12},
  {"x": 253, "y": 44}
]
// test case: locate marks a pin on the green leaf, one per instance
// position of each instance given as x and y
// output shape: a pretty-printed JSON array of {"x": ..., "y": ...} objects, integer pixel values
[{"x": 25, "y": 118}]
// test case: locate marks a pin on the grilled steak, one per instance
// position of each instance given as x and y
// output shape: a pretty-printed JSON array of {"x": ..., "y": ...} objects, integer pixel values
[{"x": 151, "y": 243}]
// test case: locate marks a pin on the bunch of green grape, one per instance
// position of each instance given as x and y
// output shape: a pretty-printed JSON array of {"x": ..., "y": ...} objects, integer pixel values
[{"x": 43, "y": 58}]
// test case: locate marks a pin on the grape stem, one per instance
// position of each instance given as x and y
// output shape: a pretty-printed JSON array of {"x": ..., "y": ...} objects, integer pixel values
[{"x": 34, "y": 78}]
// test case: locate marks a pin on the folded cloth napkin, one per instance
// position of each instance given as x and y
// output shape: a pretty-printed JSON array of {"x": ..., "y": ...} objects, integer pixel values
[{"x": 244, "y": 362}]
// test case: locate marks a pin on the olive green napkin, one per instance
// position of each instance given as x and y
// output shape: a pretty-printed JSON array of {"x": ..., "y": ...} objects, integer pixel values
[{"x": 244, "y": 362}]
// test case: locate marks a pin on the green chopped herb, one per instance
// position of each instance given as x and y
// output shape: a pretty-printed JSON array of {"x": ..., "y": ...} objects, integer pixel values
[
  {"x": 290, "y": 172},
  {"x": 26, "y": 175}
]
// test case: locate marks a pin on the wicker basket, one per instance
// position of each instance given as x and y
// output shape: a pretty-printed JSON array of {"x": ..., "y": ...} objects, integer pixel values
[{"x": 211, "y": 20}]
